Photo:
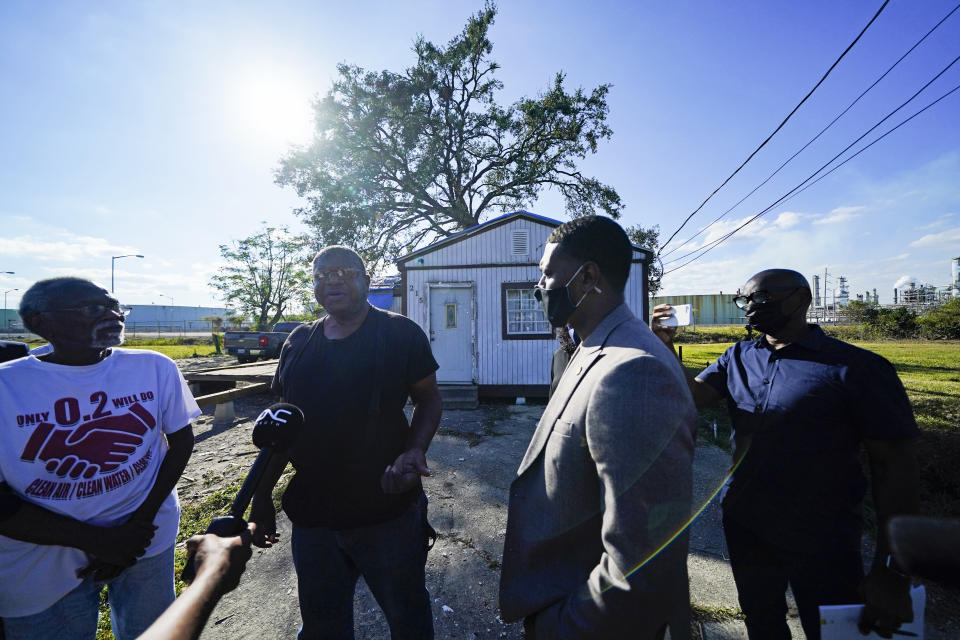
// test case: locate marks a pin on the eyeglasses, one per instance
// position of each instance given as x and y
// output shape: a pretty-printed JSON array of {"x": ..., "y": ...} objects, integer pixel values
[
  {"x": 93, "y": 310},
  {"x": 760, "y": 296},
  {"x": 342, "y": 273}
]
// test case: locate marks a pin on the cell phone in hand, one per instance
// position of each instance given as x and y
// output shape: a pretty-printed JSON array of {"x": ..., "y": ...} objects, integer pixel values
[{"x": 682, "y": 316}]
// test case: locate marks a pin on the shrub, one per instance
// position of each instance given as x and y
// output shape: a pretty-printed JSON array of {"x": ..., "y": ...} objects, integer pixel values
[
  {"x": 720, "y": 333},
  {"x": 898, "y": 322},
  {"x": 942, "y": 323}
]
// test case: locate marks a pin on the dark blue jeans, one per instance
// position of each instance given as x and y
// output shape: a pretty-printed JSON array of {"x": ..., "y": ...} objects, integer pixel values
[
  {"x": 762, "y": 572},
  {"x": 137, "y": 597},
  {"x": 390, "y": 556}
]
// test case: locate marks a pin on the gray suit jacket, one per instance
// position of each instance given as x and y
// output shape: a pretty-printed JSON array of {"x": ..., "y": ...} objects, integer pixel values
[{"x": 595, "y": 544}]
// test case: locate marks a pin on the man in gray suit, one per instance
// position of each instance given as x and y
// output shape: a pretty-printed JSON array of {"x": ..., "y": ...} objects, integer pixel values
[{"x": 595, "y": 544}]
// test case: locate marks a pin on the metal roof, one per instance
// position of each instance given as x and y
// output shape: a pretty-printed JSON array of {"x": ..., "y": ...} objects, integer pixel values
[{"x": 486, "y": 226}]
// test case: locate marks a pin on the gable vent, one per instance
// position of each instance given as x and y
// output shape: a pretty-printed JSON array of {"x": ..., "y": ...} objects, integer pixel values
[{"x": 520, "y": 242}]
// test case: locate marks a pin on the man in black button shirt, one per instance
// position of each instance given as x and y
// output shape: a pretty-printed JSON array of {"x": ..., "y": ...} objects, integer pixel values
[
  {"x": 356, "y": 501},
  {"x": 802, "y": 404}
]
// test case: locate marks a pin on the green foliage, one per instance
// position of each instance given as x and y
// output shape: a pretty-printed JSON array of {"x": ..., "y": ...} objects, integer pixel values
[
  {"x": 216, "y": 323},
  {"x": 712, "y": 333},
  {"x": 939, "y": 323},
  {"x": 217, "y": 343},
  {"x": 264, "y": 275},
  {"x": 710, "y": 613},
  {"x": 173, "y": 340},
  {"x": 649, "y": 239},
  {"x": 304, "y": 317},
  {"x": 859, "y": 311},
  {"x": 898, "y": 322},
  {"x": 942, "y": 323},
  {"x": 104, "y": 631},
  {"x": 398, "y": 159},
  {"x": 178, "y": 351}
]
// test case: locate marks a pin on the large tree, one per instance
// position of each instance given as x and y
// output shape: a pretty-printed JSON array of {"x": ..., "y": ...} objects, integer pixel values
[
  {"x": 398, "y": 159},
  {"x": 265, "y": 275},
  {"x": 649, "y": 238}
]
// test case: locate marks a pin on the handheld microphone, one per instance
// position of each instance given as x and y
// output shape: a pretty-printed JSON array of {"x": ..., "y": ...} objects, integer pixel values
[{"x": 275, "y": 432}]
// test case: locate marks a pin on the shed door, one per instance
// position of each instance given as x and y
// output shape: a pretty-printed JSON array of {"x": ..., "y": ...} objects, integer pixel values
[{"x": 451, "y": 315}]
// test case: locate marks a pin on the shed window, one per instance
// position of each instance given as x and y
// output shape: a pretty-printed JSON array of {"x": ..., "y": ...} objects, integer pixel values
[
  {"x": 522, "y": 316},
  {"x": 520, "y": 242}
]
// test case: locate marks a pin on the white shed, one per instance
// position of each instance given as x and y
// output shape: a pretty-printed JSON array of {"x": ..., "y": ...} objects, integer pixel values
[{"x": 472, "y": 294}]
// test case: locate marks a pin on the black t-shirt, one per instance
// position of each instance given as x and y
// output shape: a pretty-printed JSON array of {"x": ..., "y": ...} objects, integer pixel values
[{"x": 341, "y": 452}]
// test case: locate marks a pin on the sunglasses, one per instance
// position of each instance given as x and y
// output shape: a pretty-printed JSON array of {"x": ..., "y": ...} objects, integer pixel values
[
  {"x": 93, "y": 310},
  {"x": 342, "y": 273},
  {"x": 760, "y": 296}
]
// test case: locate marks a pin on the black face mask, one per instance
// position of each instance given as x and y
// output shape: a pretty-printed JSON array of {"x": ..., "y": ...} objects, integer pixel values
[
  {"x": 556, "y": 303},
  {"x": 768, "y": 319}
]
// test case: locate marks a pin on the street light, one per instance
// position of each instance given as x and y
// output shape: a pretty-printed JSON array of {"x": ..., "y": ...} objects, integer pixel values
[
  {"x": 113, "y": 260},
  {"x": 6, "y": 321},
  {"x": 166, "y": 296},
  {"x": 10, "y": 272}
]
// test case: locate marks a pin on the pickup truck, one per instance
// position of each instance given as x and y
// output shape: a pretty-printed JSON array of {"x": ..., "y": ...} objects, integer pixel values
[{"x": 250, "y": 346}]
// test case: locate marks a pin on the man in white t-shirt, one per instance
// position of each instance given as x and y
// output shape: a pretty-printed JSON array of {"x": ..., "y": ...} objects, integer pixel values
[{"x": 92, "y": 442}]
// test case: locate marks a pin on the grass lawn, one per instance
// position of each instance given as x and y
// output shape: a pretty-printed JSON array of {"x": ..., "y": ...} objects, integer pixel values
[
  {"x": 171, "y": 347},
  {"x": 177, "y": 350},
  {"x": 930, "y": 372}
]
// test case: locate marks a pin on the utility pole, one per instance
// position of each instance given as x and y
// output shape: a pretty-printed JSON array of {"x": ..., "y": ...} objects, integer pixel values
[
  {"x": 113, "y": 260},
  {"x": 6, "y": 320},
  {"x": 825, "y": 294}
]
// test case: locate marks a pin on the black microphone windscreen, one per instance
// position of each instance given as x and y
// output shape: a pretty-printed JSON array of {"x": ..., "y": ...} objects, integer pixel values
[{"x": 278, "y": 426}]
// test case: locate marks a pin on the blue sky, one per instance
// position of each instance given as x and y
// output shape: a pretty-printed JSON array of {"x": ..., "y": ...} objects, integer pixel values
[{"x": 155, "y": 127}]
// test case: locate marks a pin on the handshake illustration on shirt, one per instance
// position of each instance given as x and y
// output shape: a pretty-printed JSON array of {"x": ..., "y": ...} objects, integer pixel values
[{"x": 96, "y": 446}]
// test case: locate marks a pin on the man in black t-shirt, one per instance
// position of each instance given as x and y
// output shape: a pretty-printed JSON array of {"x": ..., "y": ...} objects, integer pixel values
[{"x": 356, "y": 500}]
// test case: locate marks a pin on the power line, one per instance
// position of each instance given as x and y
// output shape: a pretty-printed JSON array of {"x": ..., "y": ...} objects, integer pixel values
[
  {"x": 844, "y": 150},
  {"x": 876, "y": 141},
  {"x": 822, "y": 131},
  {"x": 780, "y": 126},
  {"x": 803, "y": 185},
  {"x": 791, "y": 193}
]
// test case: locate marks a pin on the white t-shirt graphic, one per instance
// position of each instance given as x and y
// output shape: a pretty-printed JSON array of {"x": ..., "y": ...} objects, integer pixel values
[{"x": 85, "y": 442}]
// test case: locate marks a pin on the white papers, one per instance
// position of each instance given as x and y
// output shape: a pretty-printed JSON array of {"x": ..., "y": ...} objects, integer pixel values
[
  {"x": 840, "y": 622},
  {"x": 682, "y": 316}
]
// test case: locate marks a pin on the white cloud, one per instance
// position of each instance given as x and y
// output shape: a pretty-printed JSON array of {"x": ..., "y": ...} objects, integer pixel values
[
  {"x": 761, "y": 227},
  {"x": 840, "y": 214},
  {"x": 898, "y": 257},
  {"x": 944, "y": 238},
  {"x": 705, "y": 277},
  {"x": 787, "y": 219},
  {"x": 939, "y": 222},
  {"x": 810, "y": 242},
  {"x": 62, "y": 247}
]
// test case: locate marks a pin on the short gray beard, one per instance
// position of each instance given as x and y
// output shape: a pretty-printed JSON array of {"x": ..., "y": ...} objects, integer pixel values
[{"x": 104, "y": 342}]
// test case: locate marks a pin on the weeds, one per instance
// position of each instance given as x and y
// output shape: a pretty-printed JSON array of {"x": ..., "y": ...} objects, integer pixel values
[{"x": 708, "y": 613}]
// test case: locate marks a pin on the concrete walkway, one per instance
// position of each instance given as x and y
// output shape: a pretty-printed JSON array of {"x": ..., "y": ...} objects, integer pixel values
[{"x": 711, "y": 580}]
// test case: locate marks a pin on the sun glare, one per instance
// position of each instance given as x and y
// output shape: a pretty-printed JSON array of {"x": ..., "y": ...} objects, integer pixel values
[{"x": 272, "y": 108}]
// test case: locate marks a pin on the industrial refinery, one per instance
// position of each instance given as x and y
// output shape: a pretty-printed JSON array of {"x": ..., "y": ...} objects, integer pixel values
[{"x": 829, "y": 301}]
